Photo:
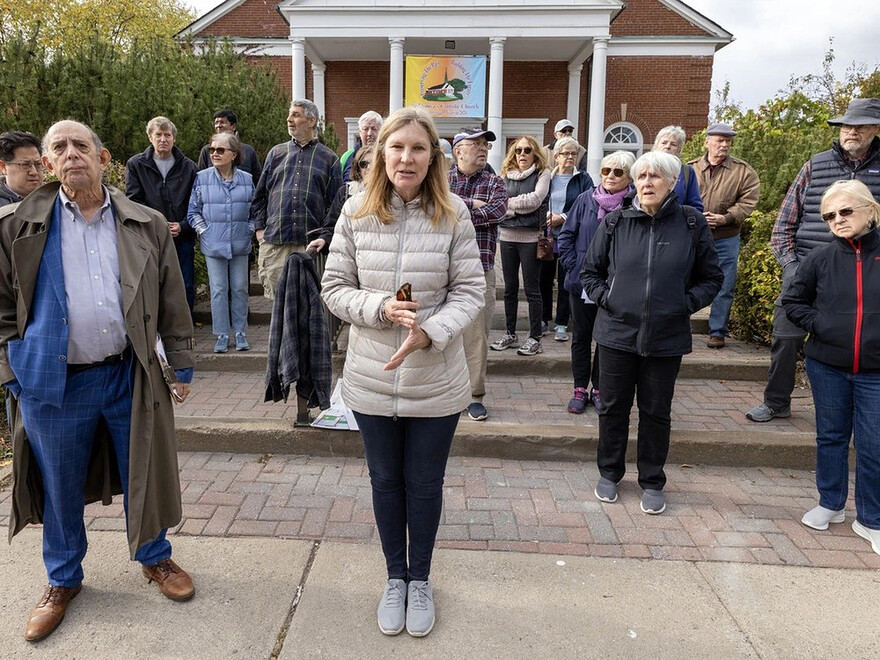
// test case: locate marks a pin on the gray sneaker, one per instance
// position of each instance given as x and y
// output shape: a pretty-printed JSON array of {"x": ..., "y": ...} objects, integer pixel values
[
  {"x": 606, "y": 490},
  {"x": 504, "y": 342},
  {"x": 653, "y": 501},
  {"x": 392, "y": 607},
  {"x": 420, "y": 608},
  {"x": 530, "y": 347},
  {"x": 561, "y": 333},
  {"x": 765, "y": 413}
]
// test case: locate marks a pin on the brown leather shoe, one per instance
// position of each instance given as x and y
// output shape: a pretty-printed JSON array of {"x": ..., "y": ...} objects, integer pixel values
[
  {"x": 173, "y": 581},
  {"x": 715, "y": 342},
  {"x": 49, "y": 612}
]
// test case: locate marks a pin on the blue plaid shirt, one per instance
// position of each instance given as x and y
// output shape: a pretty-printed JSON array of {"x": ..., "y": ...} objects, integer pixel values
[{"x": 295, "y": 191}]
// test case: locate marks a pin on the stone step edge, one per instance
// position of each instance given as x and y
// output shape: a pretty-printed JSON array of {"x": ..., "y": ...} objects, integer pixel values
[
  {"x": 765, "y": 448},
  {"x": 509, "y": 364}
]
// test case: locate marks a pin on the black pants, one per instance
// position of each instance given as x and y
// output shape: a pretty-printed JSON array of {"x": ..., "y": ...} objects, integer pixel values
[
  {"x": 514, "y": 256},
  {"x": 550, "y": 271},
  {"x": 652, "y": 379},
  {"x": 583, "y": 317}
]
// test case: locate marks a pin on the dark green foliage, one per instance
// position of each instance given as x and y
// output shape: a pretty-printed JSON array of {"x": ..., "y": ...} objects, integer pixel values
[
  {"x": 118, "y": 91},
  {"x": 758, "y": 281}
]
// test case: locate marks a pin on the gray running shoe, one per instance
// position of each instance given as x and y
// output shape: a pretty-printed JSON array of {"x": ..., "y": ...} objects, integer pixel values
[
  {"x": 765, "y": 413},
  {"x": 530, "y": 347},
  {"x": 503, "y": 342},
  {"x": 653, "y": 501},
  {"x": 392, "y": 607},
  {"x": 561, "y": 333},
  {"x": 606, "y": 490},
  {"x": 420, "y": 608}
]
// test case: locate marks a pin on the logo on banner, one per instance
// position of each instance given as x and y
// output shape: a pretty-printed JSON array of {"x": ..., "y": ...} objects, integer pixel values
[{"x": 447, "y": 86}]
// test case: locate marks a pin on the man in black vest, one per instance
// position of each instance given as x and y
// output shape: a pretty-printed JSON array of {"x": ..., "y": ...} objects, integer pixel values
[{"x": 799, "y": 228}]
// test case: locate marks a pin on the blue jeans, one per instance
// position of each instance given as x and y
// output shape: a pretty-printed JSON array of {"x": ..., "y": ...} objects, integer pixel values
[
  {"x": 719, "y": 313},
  {"x": 225, "y": 275},
  {"x": 406, "y": 457},
  {"x": 847, "y": 406},
  {"x": 61, "y": 440},
  {"x": 186, "y": 255}
]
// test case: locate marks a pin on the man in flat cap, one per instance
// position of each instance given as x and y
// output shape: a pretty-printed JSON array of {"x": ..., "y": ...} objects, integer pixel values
[
  {"x": 800, "y": 228},
  {"x": 729, "y": 188}
]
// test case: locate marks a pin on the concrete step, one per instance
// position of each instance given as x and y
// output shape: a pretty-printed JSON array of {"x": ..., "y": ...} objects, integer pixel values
[{"x": 699, "y": 323}]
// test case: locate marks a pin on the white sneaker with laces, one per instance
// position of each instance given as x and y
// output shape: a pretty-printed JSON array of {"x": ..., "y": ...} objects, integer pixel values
[
  {"x": 392, "y": 608},
  {"x": 419, "y": 608}
]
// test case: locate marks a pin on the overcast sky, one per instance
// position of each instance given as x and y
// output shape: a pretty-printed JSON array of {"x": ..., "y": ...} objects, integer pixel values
[{"x": 775, "y": 40}]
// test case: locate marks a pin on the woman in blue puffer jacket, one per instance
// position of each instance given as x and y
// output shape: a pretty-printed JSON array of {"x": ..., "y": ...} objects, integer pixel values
[{"x": 220, "y": 212}]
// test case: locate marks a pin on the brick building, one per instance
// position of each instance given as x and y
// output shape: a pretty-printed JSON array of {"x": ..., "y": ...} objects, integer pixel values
[{"x": 647, "y": 62}]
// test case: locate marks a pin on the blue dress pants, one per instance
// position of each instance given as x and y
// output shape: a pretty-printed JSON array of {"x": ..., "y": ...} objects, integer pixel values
[
  {"x": 61, "y": 440},
  {"x": 406, "y": 457}
]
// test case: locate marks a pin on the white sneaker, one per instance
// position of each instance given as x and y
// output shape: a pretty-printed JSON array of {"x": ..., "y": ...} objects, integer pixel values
[
  {"x": 819, "y": 517},
  {"x": 503, "y": 342},
  {"x": 420, "y": 608},
  {"x": 530, "y": 347},
  {"x": 561, "y": 333},
  {"x": 872, "y": 536},
  {"x": 392, "y": 607}
]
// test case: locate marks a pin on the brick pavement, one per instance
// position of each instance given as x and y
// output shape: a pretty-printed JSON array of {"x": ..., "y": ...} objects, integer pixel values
[{"x": 748, "y": 515}]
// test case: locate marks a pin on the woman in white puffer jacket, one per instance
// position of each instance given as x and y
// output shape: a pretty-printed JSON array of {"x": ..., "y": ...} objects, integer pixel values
[{"x": 405, "y": 373}]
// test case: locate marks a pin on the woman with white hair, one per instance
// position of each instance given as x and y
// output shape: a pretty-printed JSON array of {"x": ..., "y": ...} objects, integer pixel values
[
  {"x": 650, "y": 266},
  {"x": 834, "y": 297},
  {"x": 671, "y": 139}
]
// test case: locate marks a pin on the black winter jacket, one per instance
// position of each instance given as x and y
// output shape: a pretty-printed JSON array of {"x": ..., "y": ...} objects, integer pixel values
[
  {"x": 7, "y": 196},
  {"x": 835, "y": 297},
  {"x": 169, "y": 196},
  {"x": 648, "y": 276}
]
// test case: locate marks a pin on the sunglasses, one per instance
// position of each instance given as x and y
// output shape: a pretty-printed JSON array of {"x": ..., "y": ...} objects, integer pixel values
[
  {"x": 364, "y": 164},
  {"x": 616, "y": 171},
  {"x": 522, "y": 150},
  {"x": 568, "y": 130},
  {"x": 218, "y": 150},
  {"x": 843, "y": 213},
  {"x": 404, "y": 293}
]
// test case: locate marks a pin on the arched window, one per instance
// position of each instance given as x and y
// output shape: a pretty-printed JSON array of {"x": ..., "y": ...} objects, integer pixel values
[{"x": 625, "y": 136}]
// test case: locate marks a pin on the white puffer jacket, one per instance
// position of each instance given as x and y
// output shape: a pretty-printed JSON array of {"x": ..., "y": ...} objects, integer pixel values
[{"x": 368, "y": 262}]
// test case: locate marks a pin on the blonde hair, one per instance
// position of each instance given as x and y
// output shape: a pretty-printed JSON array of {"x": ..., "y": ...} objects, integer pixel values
[
  {"x": 510, "y": 159},
  {"x": 435, "y": 197},
  {"x": 857, "y": 191}
]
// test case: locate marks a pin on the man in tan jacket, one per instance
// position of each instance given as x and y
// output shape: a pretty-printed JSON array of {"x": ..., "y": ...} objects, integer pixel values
[
  {"x": 88, "y": 281},
  {"x": 729, "y": 188}
]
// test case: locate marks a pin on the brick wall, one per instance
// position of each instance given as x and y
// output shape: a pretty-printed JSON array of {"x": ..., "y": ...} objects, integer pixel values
[
  {"x": 647, "y": 17},
  {"x": 253, "y": 18}
]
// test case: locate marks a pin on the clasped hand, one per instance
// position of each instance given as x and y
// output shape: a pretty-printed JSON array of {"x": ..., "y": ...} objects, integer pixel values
[{"x": 403, "y": 313}]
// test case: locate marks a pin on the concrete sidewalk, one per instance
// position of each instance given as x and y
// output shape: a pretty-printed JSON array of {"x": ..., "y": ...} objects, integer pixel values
[{"x": 260, "y": 597}]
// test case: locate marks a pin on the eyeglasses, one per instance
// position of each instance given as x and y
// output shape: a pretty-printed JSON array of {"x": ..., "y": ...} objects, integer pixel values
[
  {"x": 522, "y": 150},
  {"x": 567, "y": 154},
  {"x": 843, "y": 213},
  {"x": 568, "y": 130},
  {"x": 616, "y": 171},
  {"x": 364, "y": 164},
  {"x": 27, "y": 164},
  {"x": 218, "y": 150},
  {"x": 477, "y": 145}
]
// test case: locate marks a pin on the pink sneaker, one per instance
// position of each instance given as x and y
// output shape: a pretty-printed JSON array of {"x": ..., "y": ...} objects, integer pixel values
[{"x": 578, "y": 401}]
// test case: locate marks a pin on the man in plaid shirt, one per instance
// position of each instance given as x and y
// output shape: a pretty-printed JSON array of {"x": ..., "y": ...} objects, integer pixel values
[
  {"x": 299, "y": 181},
  {"x": 486, "y": 197},
  {"x": 799, "y": 228}
]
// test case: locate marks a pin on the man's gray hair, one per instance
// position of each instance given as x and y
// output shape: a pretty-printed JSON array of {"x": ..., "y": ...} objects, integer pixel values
[
  {"x": 370, "y": 115},
  {"x": 95, "y": 139},
  {"x": 659, "y": 162},
  {"x": 160, "y": 124},
  {"x": 676, "y": 132},
  {"x": 308, "y": 107}
]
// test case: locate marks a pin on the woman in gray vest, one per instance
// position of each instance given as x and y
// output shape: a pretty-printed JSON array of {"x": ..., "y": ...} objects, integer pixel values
[{"x": 527, "y": 179}]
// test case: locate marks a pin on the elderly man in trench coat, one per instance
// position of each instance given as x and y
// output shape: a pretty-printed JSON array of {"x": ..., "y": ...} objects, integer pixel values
[{"x": 88, "y": 281}]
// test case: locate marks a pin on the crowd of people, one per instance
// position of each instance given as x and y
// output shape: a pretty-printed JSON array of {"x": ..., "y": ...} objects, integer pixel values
[{"x": 97, "y": 289}]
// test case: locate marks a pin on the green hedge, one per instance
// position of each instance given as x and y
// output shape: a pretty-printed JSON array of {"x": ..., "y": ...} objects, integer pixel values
[{"x": 758, "y": 281}]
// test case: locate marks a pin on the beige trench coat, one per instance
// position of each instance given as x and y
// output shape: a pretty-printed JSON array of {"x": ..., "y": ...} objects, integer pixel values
[{"x": 149, "y": 273}]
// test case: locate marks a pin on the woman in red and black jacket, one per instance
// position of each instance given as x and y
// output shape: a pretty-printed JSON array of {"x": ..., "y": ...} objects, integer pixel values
[{"x": 836, "y": 298}]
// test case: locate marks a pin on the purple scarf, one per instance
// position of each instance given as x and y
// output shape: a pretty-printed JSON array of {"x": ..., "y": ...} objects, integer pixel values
[{"x": 609, "y": 201}]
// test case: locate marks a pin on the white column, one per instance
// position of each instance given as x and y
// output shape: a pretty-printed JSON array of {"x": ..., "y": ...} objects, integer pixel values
[
  {"x": 298, "y": 67},
  {"x": 573, "y": 108},
  {"x": 395, "y": 95},
  {"x": 596, "y": 129},
  {"x": 318, "y": 71},
  {"x": 496, "y": 90}
]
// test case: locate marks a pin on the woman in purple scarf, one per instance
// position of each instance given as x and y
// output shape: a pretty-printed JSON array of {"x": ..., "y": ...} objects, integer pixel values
[{"x": 574, "y": 239}]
